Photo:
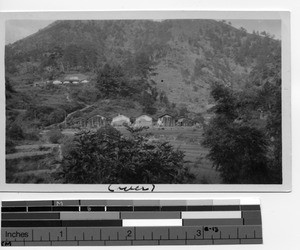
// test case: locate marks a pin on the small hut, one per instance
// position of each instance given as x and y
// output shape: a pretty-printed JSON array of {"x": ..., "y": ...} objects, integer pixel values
[
  {"x": 185, "y": 122},
  {"x": 75, "y": 78},
  {"x": 166, "y": 120},
  {"x": 57, "y": 82},
  {"x": 143, "y": 121},
  {"x": 120, "y": 120},
  {"x": 96, "y": 121},
  {"x": 80, "y": 122}
]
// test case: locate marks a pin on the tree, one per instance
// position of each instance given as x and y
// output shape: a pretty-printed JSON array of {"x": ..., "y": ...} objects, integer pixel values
[
  {"x": 143, "y": 65},
  {"x": 14, "y": 132},
  {"x": 55, "y": 135},
  {"x": 111, "y": 81},
  {"x": 238, "y": 149},
  {"x": 8, "y": 88},
  {"x": 106, "y": 156}
]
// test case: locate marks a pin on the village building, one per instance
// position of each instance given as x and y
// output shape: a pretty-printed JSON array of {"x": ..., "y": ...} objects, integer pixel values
[
  {"x": 96, "y": 121},
  {"x": 166, "y": 120},
  {"x": 185, "y": 122},
  {"x": 84, "y": 81},
  {"x": 57, "y": 82},
  {"x": 143, "y": 121},
  {"x": 76, "y": 78},
  {"x": 80, "y": 122},
  {"x": 39, "y": 84},
  {"x": 120, "y": 120}
]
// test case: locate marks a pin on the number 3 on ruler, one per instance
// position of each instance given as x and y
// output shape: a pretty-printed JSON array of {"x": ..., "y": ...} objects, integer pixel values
[{"x": 198, "y": 232}]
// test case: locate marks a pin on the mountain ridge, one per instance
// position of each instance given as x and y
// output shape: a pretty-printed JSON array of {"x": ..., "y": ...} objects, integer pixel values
[{"x": 188, "y": 54}]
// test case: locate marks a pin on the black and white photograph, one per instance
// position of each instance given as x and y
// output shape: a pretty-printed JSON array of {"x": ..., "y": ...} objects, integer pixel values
[{"x": 144, "y": 101}]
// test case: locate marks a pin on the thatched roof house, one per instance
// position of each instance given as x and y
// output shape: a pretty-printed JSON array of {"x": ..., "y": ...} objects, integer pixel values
[
  {"x": 143, "y": 121},
  {"x": 185, "y": 122},
  {"x": 120, "y": 120},
  {"x": 166, "y": 120},
  {"x": 96, "y": 121}
]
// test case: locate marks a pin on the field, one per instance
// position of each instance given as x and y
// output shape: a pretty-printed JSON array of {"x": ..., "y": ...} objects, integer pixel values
[{"x": 34, "y": 163}]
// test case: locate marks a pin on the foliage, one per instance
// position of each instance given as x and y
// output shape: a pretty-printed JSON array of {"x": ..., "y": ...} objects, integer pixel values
[
  {"x": 55, "y": 135},
  {"x": 32, "y": 135},
  {"x": 14, "y": 132},
  {"x": 8, "y": 88},
  {"x": 9, "y": 146},
  {"x": 111, "y": 81},
  {"x": 240, "y": 144},
  {"x": 106, "y": 156},
  {"x": 86, "y": 93}
]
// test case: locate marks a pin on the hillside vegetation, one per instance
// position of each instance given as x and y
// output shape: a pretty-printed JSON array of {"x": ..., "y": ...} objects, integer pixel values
[{"x": 186, "y": 68}]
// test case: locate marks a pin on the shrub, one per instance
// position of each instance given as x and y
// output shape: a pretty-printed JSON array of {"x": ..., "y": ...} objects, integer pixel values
[
  {"x": 55, "y": 135},
  {"x": 9, "y": 147},
  {"x": 15, "y": 132},
  {"x": 106, "y": 156},
  {"x": 32, "y": 136}
]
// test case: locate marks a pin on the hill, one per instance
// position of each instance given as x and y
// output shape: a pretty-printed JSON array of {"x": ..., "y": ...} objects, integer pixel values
[
  {"x": 186, "y": 55},
  {"x": 204, "y": 71}
]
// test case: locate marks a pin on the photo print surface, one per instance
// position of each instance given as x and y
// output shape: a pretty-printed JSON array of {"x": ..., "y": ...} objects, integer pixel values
[{"x": 185, "y": 101}]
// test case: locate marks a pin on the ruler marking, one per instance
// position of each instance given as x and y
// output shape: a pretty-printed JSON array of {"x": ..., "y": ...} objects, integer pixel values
[
  {"x": 239, "y": 232},
  {"x": 134, "y": 229}
]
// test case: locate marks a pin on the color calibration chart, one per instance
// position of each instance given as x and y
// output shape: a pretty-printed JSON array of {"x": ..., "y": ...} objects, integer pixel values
[{"x": 130, "y": 222}]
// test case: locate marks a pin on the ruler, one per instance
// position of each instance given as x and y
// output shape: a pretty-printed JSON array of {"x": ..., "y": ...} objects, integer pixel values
[{"x": 130, "y": 222}]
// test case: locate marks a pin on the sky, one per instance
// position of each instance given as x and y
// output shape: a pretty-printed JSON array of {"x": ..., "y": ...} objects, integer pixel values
[
  {"x": 270, "y": 26},
  {"x": 18, "y": 29}
]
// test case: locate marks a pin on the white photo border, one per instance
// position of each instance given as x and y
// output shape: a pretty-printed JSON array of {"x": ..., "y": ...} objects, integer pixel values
[{"x": 284, "y": 16}]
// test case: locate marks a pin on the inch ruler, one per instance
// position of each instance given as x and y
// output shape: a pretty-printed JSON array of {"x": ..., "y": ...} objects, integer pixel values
[{"x": 130, "y": 222}]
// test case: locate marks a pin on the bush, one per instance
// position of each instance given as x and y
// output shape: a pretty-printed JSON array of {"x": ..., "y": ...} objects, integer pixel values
[
  {"x": 32, "y": 136},
  {"x": 10, "y": 147},
  {"x": 15, "y": 132},
  {"x": 106, "y": 156},
  {"x": 55, "y": 135}
]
